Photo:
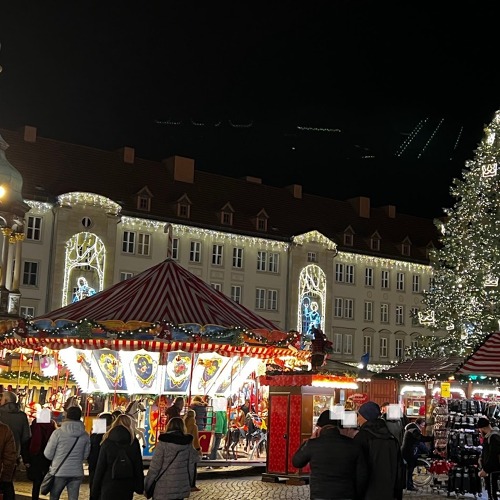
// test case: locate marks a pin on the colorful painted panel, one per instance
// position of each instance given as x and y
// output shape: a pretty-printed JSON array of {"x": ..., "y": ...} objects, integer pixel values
[
  {"x": 178, "y": 372},
  {"x": 111, "y": 369},
  {"x": 231, "y": 373}
]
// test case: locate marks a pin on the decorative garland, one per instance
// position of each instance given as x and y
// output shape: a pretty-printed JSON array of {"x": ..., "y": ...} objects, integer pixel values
[{"x": 25, "y": 375}]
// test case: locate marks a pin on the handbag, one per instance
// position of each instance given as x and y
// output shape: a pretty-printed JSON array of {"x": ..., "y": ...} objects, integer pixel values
[
  {"x": 48, "y": 479},
  {"x": 150, "y": 491}
]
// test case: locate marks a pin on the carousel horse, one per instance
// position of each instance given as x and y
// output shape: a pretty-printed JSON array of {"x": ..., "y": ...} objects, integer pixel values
[
  {"x": 134, "y": 410},
  {"x": 72, "y": 401}
]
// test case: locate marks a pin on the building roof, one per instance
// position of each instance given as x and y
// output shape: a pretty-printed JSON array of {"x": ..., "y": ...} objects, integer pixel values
[
  {"x": 426, "y": 367},
  {"x": 45, "y": 165}
]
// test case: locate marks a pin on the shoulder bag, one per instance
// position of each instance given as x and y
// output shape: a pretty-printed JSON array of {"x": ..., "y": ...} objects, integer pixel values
[
  {"x": 48, "y": 479},
  {"x": 150, "y": 491}
]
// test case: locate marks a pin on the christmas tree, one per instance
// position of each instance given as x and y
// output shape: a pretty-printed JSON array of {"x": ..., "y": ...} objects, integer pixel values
[{"x": 464, "y": 293}]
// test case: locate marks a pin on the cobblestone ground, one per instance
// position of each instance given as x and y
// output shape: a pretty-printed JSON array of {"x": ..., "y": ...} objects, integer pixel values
[{"x": 235, "y": 483}]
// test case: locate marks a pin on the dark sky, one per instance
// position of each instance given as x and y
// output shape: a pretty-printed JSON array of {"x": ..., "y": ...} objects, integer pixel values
[{"x": 346, "y": 98}]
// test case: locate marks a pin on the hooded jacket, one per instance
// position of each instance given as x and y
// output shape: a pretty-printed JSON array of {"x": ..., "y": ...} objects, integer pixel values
[
  {"x": 338, "y": 465},
  {"x": 176, "y": 481},
  {"x": 411, "y": 439},
  {"x": 17, "y": 420},
  {"x": 384, "y": 459},
  {"x": 103, "y": 485},
  {"x": 60, "y": 443},
  {"x": 8, "y": 454}
]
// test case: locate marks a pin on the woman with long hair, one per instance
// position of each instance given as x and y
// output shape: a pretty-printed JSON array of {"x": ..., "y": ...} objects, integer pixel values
[
  {"x": 119, "y": 471},
  {"x": 192, "y": 428},
  {"x": 173, "y": 461}
]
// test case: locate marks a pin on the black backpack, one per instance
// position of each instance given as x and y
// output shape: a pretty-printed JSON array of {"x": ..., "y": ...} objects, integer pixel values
[{"x": 122, "y": 467}]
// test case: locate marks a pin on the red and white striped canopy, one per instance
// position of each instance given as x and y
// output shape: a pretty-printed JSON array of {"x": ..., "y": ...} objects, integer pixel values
[
  {"x": 165, "y": 292},
  {"x": 485, "y": 360}
]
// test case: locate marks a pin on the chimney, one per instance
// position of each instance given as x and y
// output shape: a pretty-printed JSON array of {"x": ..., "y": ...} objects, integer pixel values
[
  {"x": 29, "y": 133},
  {"x": 296, "y": 190},
  {"x": 361, "y": 205},
  {"x": 390, "y": 211},
  {"x": 255, "y": 180},
  {"x": 128, "y": 154},
  {"x": 181, "y": 168}
]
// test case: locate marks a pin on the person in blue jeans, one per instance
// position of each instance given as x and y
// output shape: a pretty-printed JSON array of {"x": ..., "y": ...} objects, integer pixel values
[{"x": 70, "y": 474}]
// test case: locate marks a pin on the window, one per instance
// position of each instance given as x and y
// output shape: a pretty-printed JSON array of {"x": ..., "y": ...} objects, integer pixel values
[
  {"x": 384, "y": 313},
  {"x": 399, "y": 348},
  {"x": 216, "y": 286},
  {"x": 184, "y": 210},
  {"x": 344, "y": 273},
  {"x": 227, "y": 218},
  {"x": 349, "y": 274},
  {"x": 267, "y": 261},
  {"x": 261, "y": 224},
  {"x": 34, "y": 228},
  {"x": 368, "y": 310},
  {"x": 415, "y": 283},
  {"x": 339, "y": 273},
  {"x": 344, "y": 308},
  {"x": 238, "y": 257},
  {"x": 260, "y": 298},
  {"x": 405, "y": 249},
  {"x": 348, "y": 344},
  {"x": 400, "y": 282},
  {"x": 375, "y": 243},
  {"x": 368, "y": 276},
  {"x": 143, "y": 243},
  {"x": 348, "y": 239},
  {"x": 175, "y": 248},
  {"x": 144, "y": 203},
  {"x": 266, "y": 299},
  {"x": 30, "y": 273},
  {"x": 414, "y": 316},
  {"x": 125, "y": 275},
  {"x": 128, "y": 244},
  {"x": 367, "y": 344},
  {"x": 217, "y": 251},
  {"x": 385, "y": 279},
  {"x": 400, "y": 315},
  {"x": 337, "y": 343},
  {"x": 236, "y": 293},
  {"x": 414, "y": 343},
  {"x": 195, "y": 252},
  {"x": 312, "y": 257},
  {"x": 383, "y": 347},
  {"x": 27, "y": 312}
]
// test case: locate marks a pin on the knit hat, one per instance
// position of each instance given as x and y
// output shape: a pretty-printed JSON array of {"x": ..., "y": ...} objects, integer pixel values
[
  {"x": 324, "y": 419},
  {"x": 482, "y": 422},
  {"x": 74, "y": 413},
  {"x": 370, "y": 410}
]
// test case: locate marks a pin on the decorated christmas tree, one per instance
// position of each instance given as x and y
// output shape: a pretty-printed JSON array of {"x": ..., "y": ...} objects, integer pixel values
[{"x": 463, "y": 298}]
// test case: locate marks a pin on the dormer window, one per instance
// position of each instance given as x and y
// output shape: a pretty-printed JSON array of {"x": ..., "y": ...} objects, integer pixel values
[
  {"x": 349, "y": 237},
  {"x": 226, "y": 215},
  {"x": 375, "y": 242},
  {"x": 406, "y": 247},
  {"x": 184, "y": 207},
  {"x": 429, "y": 249},
  {"x": 261, "y": 221},
  {"x": 143, "y": 199}
]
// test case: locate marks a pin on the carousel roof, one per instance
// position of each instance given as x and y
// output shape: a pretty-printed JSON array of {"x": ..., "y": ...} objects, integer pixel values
[
  {"x": 484, "y": 360},
  {"x": 166, "y": 292}
]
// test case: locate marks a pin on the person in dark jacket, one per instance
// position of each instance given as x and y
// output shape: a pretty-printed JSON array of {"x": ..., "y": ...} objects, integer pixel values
[
  {"x": 338, "y": 465},
  {"x": 95, "y": 446},
  {"x": 489, "y": 462},
  {"x": 8, "y": 461},
  {"x": 382, "y": 453},
  {"x": 34, "y": 459},
  {"x": 200, "y": 408},
  {"x": 413, "y": 445},
  {"x": 17, "y": 420},
  {"x": 120, "y": 435}
]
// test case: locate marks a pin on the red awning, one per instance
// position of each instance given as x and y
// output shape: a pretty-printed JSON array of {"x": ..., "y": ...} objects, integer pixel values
[{"x": 485, "y": 360}]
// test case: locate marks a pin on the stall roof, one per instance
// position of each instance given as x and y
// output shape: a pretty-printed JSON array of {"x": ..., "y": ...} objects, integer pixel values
[
  {"x": 427, "y": 367},
  {"x": 165, "y": 292},
  {"x": 485, "y": 359}
]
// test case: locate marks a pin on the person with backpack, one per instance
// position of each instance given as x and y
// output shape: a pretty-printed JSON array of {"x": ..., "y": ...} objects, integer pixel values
[
  {"x": 382, "y": 453},
  {"x": 489, "y": 463},
  {"x": 119, "y": 471}
]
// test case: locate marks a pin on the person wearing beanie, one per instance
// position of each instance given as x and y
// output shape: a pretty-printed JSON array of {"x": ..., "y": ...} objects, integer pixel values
[
  {"x": 383, "y": 455},
  {"x": 70, "y": 474},
  {"x": 489, "y": 463},
  {"x": 338, "y": 465}
]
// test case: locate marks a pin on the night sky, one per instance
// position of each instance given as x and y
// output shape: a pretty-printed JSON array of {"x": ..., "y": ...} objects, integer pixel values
[{"x": 385, "y": 101}]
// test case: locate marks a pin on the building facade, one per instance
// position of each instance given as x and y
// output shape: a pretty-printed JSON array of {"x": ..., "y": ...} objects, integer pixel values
[{"x": 97, "y": 217}]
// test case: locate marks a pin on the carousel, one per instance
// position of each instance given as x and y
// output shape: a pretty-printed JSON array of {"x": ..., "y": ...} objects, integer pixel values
[{"x": 161, "y": 334}]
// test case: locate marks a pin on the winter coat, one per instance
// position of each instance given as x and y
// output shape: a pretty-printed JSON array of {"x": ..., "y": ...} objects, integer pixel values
[
  {"x": 175, "y": 483},
  {"x": 33, "y": 455},
  {"x": 201, "y": 414},
  {"x": 338, "y": 465},
  {"x": 385, "y": 464},
  {"x": 95, "y": 447},
  {"x": 396, "y": 427},
  {"x": 60, "y": 443},
  {"x": 192, "y": 428},
  {"x": 106, "y": 488},
  {"x": 411, "y": 440},
  {"x": 490, "y": 455},
  {"x": 17, "y": 420},
  {"x": 8, "y": 454}
]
